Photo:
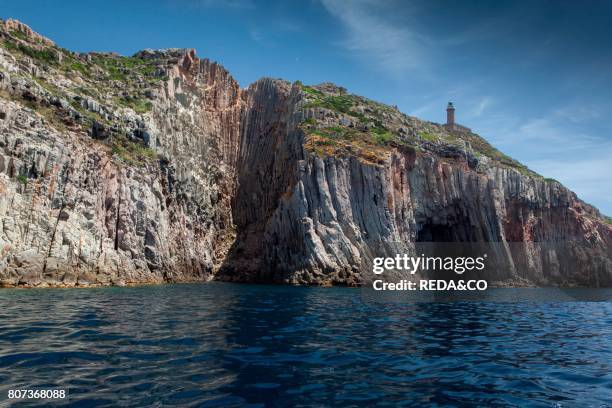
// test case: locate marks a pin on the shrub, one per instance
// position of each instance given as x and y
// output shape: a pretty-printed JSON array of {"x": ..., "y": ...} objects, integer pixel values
[
  {"x": 338, "y": 103},
  {"x": 118, "y": 67},
  {"x": 430, "y": 137},
  {"x": 311, "y": 91},
  {"x": 45, "y": 55},
  {"x": 132, "y": 153},
  {"x": 79, "y": 67},
  {"x": 138, "y": 104},
  {"x": 18, "y": 34},
  {"x": 383, "y": 138},
  {"x": 22, "y": 179}
]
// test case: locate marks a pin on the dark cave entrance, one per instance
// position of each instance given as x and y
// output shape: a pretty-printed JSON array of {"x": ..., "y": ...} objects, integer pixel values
[
  {"x": 456, "y": 228},
  {"x": 456, "y": 239},
  {"x": 430, "y": 232}
]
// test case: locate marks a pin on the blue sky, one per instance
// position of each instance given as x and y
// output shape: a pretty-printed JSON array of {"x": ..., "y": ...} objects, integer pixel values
[{"x": 533, "y": 77}]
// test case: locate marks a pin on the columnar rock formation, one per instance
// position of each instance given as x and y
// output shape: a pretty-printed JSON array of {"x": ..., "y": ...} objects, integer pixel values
[{"x": 159, "y": 167}]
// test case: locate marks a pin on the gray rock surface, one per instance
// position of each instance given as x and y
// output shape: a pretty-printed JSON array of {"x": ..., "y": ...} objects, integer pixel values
[{"x": 160, "y": 168}]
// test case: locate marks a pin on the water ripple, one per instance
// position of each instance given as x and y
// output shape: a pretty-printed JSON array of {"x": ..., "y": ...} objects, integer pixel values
[{"x": 220, "y": 345}]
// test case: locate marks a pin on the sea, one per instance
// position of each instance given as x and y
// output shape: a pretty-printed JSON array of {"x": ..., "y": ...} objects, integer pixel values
[{"x": 223, "y": 345}]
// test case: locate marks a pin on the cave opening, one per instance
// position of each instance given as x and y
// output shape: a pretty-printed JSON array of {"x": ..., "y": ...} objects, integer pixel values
[
  {"x": 431, "y": 232},
  {"x": 460, "y": 231},
  {"x": 456, "y": 239}
]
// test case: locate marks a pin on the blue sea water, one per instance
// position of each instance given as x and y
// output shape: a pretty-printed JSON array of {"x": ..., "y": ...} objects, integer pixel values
[{"x": 220, "y": 345}]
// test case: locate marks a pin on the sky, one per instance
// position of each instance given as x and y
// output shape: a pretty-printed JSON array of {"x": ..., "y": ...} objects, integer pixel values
[{"x": 533, "y": 77}]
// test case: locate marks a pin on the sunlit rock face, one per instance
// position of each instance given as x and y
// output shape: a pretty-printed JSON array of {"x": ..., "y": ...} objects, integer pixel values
[
  {"x": 160, "y": 168},
  {"x": 318, "y": 203}
]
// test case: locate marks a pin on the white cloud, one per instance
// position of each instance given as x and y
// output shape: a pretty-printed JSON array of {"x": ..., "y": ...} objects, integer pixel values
[
  {"x": 269, "y": 38},
  {"x": 434, "y": 106},
  {"x": 396, "y": 49},
  {"x": 256, "y": 35},
  {"x": 578, "y": 113},
  {"x": 560, "y": 132},
  {"x": 560, "y": 144},
  {"x": 588, "y": 177},
  {"x": 556, "y": 145},
  {"x": 481, "y": 106}
]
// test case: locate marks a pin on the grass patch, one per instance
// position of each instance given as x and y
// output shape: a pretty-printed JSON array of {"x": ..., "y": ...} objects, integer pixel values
[
  {"x": 325, "y": 142},
  {"x": 138, "y": 104},
  {"x": 51, "y": 88},
  {"x": 18, "y": 34},
  {"x": 133, "y": 153},
  {"x": 381, "y": 135},
  {"x": 551, "y": 180},
  {"x": 430, "y": 137},
  {"x": 22, "y": 179},
  {"x": 311, "y": 91},
  {"x": 344, "y": 141},
  {"x": 79, "y": 67},
  {"x": 338, "y": 103},
  {"x": 480, "y": 145},
  {"x": 42, "y": 56},
  {"x": 333, "y": 132},
  {"x": 119, "y": 68},
  {"x": 383, "y": 138},
  {"x": 86, "y": 91},
  {"x": 509, "y": 161}
]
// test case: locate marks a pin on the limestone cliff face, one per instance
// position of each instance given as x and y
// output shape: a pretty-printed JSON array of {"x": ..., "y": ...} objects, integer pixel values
[
  {"x": 341, "y": 213},
  {"x": 94, "y": 192},
  {"x": 309, "y": 217},
  {"x": 159, "y": 167}
]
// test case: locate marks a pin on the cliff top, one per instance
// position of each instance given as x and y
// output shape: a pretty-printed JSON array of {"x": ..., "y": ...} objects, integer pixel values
[
  {"x": 342, "y": 123},
  {"x": 103, "y": 91},
  {"x": 22, "y": 31}
]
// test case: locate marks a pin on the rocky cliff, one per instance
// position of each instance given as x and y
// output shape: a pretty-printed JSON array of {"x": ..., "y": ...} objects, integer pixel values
[{"x": 159, "y": 167}]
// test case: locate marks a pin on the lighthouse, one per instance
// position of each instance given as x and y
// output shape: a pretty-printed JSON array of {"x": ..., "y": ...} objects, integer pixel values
[{"x": 450, "y": 116}]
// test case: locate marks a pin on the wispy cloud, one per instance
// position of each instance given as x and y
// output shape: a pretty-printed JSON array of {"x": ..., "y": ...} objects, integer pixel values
[
  {"x": 557, "y": 145},
  {"x": 561, "y": 130},
  {"x": 569, "y": 141},
  {"x": 433, "y": 104},
  {"x": 395, "y": 48},
  {"x": 479, "y": 108},
  {"x": 586, "y": 176},
  {"x": 578, "y": 113},
  {"x": 256, "y": 35},
  {"x": 271, "y": 37}
]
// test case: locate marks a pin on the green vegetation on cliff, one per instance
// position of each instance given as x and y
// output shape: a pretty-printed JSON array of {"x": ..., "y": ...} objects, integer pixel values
[
  {"x": 359, "y": 126},
  {"x": 22, "y": 179},
  {"x": 345, "y": 141},
  {"x": 90, "y": 99},
  {"x": 342, "y": 123},
  {"x": 120, "y": 68},
  {"x": 131, "y": 152}
]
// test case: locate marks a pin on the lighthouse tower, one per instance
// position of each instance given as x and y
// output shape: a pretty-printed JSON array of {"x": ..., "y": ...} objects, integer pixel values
[{"x": 450, "y": 116}]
